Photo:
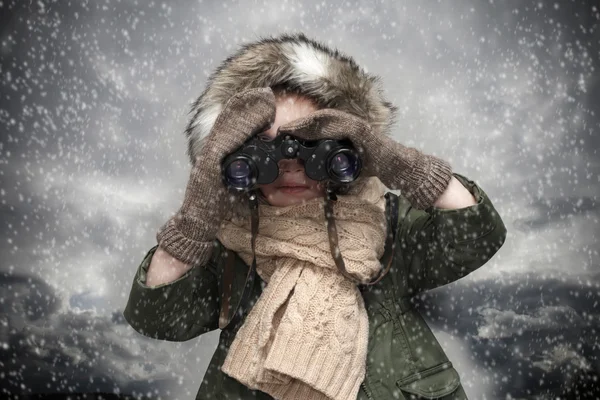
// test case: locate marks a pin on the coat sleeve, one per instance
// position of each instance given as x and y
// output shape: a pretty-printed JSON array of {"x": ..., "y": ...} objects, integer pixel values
[
  {"x": 176, "y": 311},
  {"x": 439, "y": 246}
]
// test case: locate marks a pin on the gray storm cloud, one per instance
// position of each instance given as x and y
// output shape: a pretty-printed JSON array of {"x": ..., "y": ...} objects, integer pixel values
[{"x": 93, "y": 101}]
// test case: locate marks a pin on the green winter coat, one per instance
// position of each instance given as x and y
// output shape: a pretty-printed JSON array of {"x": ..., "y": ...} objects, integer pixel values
[{"x": 404, "y": 361}]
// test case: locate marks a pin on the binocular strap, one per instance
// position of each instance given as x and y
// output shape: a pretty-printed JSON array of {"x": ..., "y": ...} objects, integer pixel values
[
  {"x": 390, "y": 241},
  {"x": 390, "y": 246},
  {"x": 229, "y": 272}
]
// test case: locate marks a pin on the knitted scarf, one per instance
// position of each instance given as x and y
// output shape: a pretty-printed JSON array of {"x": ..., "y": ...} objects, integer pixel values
[{"x": 306, "y": 337}]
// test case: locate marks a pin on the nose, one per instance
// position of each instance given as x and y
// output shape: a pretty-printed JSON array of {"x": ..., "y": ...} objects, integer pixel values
[{"x": 290, "y": 165}]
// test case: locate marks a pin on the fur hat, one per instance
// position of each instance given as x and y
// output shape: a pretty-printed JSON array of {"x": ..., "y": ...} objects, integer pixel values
[{"x": 300, "y": 65}]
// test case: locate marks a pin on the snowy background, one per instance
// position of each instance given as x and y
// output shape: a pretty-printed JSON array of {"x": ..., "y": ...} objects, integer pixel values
[{"x": 94, "y": 98}]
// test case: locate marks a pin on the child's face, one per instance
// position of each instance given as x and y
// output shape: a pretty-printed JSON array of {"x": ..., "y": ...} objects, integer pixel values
[{"x": 292, "y": 186}]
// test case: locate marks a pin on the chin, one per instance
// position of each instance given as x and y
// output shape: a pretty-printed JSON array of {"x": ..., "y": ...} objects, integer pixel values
[{"x": 279, "y": 199}]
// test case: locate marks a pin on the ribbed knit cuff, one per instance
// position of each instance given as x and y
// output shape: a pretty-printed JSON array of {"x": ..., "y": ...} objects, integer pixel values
[
  {"x": 436, "y": 180},
  {"x": 182, "y": 248}
]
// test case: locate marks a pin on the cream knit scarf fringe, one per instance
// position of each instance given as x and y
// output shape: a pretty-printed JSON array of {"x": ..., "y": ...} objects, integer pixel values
[{"x": 306, "y": 336}]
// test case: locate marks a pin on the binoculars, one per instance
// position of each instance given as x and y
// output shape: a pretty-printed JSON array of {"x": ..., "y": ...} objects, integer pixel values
[{"x": 255, "y": 162}]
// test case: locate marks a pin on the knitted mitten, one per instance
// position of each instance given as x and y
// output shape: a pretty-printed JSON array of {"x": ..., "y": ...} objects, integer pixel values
[
  {"x": 420, "y": 177},
  {"x": 189, "y": 234}
]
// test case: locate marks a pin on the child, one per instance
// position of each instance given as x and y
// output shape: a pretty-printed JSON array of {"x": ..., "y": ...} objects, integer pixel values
[{"x": 304, "y": 330}]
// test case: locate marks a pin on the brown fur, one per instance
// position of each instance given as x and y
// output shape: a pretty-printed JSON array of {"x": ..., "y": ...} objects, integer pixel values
[{"x": 264, "y": 63}]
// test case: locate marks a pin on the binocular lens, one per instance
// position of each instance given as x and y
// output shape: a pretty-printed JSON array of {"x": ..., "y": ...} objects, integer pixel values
[
  {"x": 344, "y": 166},
  {"x": 238, "y": 174}
]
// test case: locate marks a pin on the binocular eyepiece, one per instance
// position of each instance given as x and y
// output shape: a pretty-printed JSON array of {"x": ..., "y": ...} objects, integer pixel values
[{"x": 256, "y": 161}]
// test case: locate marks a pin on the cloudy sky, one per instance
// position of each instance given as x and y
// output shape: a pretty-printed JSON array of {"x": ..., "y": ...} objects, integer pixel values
[{"x": 94, "y": 97}]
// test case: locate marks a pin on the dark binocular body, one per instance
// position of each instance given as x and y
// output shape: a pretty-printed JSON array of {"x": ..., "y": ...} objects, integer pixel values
[{"x": 255, "y": 162}]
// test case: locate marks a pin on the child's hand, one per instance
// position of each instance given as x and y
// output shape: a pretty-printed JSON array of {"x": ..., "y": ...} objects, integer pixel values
[
  {"x": 188, "y": 235},
  {"x": 245, "y": 114},
  {"x": 421, "y": 178}
]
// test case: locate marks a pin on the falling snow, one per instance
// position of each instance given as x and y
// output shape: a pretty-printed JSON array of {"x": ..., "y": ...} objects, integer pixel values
[{"x": 94, "y": 98}]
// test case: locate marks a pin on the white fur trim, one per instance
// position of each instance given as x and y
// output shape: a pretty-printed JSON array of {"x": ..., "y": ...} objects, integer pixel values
[
  {"x": 309, "y": 63},
  {"x": 313, "y": 69},
  {"x": 204, "y": 123}
]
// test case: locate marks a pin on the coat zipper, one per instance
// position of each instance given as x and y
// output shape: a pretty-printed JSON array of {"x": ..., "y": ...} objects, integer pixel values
[
  {"x": 366, "y": 391},
  {"x": 364, "y": 386}
]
